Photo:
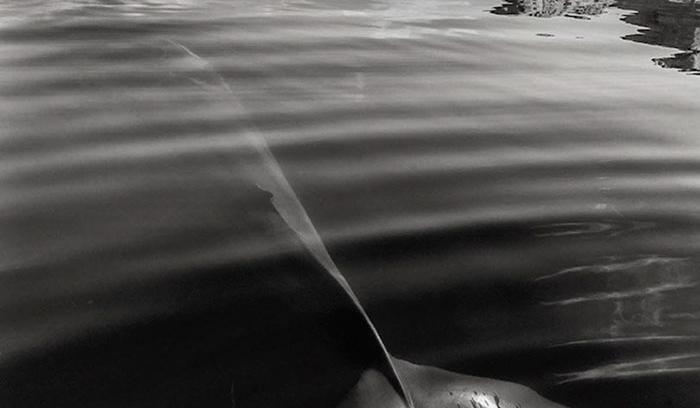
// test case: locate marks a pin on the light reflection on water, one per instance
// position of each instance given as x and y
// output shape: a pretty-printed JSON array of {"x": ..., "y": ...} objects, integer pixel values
[
  {"x": 510, "y": 197},
  {"x": 668, "y": 23}
]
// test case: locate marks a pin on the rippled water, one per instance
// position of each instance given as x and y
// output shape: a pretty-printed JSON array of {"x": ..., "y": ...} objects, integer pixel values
[{"x": 511, "y": 188}]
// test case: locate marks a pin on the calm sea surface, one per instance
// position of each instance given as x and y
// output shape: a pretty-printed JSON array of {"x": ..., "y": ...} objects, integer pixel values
[{"x": 511, "y": 189}]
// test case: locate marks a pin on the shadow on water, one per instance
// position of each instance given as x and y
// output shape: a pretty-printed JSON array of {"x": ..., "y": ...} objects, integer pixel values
[{"x": 666, "y": 23}]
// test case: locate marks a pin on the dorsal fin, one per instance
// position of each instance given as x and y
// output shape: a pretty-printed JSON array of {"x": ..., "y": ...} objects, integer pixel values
[{"x": 287, "y": 204}]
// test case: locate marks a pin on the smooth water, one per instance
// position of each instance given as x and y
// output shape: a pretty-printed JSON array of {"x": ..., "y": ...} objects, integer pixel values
[{"x": 511, "y": 188}]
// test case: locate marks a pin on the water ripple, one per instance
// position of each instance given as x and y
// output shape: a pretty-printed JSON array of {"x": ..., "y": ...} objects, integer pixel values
[
  {"x": 489, "y": 191},
  {"x": 659, "y": 366}
]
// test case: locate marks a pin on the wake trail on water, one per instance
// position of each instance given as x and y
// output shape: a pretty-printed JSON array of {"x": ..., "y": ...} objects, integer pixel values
[{"x": 290, "y": 208}]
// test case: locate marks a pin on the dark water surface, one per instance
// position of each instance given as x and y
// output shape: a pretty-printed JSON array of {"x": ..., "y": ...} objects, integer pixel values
[{"x": 512, "y": 190}]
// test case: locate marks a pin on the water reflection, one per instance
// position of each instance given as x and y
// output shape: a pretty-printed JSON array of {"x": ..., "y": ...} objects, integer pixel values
[
  {"x": 638, "y": 292},
  {"x": 551, "y": 8},
  {"x": 683, "y": 61},
  {"x": 667, "y": 23}
]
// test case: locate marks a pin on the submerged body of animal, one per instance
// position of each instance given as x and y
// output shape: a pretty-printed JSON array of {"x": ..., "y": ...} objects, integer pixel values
[
  {"x": 388, "y": 382},
  {"x": 205, "y": 288}
]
